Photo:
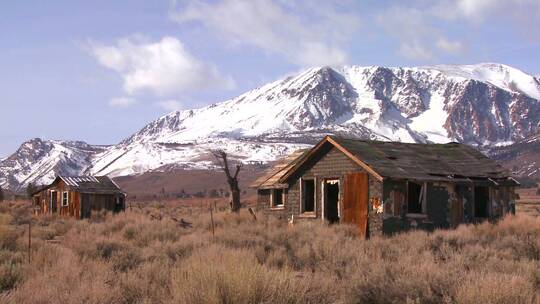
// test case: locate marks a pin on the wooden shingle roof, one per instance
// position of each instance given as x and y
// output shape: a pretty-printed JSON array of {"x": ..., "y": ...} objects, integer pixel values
[
  {"x": 428, "y": 162},
  {"x": 423, "y": 161},
  {"x": 271, "y": 178}
]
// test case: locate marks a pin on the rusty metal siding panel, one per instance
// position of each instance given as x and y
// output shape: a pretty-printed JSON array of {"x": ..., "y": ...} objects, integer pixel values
[{"x": 355, "y": 201}]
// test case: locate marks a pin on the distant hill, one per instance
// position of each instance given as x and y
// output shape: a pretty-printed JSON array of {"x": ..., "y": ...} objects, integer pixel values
[{"x": 486, "y": 105}]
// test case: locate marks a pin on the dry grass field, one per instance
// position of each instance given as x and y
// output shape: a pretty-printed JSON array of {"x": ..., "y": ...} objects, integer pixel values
[{"x": 145, "y": 256}]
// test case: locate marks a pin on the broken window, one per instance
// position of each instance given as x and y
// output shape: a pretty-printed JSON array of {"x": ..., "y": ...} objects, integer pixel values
[
  {"x": 276, "y": 198},
  {"x": 308, "y": 195},
  {"x": 65, "y": 198},
  {"x": 414, "y": 197},
  {"x": 481, "y": 201}
]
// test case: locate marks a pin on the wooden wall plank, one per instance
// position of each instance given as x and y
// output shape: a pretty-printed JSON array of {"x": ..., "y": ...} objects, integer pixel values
[{"x": 355, "y": 201}]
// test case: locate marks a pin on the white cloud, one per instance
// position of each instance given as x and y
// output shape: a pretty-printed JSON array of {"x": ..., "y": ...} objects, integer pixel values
[
  {"x": 481, "y": 9},
  {"x": 409, "y": 27},
  {"x": 415, "y": 50},
  {"x": 422, "y": 27},
  {"x": 122, "y": 102},
  {"x": 170, "y": 105},
  {"x": 164, "y": 67},
  {"x": 452, "y": 47},
  {"x": 278, "y": 27}
]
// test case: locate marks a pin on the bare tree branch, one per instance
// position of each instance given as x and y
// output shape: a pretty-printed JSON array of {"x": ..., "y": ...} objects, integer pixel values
[
  {"x": 232, "y": 180},
  {"x": 238, "y": 167}
]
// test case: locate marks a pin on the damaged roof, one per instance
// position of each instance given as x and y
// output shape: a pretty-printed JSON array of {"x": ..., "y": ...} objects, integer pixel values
[
  {"x": 271, "y": 178},
  {"x": 422, "y": 161},
  {"x": 428, "y": 162},
  {"x": 88, "y": 184}
]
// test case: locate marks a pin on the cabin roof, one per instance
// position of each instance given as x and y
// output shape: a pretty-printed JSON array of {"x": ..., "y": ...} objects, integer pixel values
[
  {"x": 423, "y": 161},
  {"x": 428, "y": 162},
  {"x": 271, "y": 178},
  {"x": 87, "y": 184}
]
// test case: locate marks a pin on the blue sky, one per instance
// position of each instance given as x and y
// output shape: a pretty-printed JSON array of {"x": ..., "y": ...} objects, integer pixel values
[{"x": 100, "y": 70}]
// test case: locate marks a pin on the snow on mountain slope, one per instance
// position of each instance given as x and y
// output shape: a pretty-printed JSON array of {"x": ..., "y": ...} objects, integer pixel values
[
  {"x": 499, "y": 75},
  {"x": 38, "y": 161},
  {"x": 477, "y": 104},
  {"x": 484, "y": 104}
]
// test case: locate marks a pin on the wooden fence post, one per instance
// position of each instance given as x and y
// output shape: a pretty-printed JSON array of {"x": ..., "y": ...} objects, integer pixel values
[
  {"x": 252, "y": 213},
  {"x": 29, "y": 240},
  {"x": 212, "y": 220}
]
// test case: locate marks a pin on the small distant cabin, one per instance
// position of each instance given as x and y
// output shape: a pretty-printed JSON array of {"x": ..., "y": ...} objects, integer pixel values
[
  {"x": 79, "y": 196},
  {"x": 387, "y": 187}
]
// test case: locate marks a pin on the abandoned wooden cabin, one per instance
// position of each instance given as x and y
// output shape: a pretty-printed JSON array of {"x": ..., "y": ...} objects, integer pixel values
[
  {"x": 387, "y": 187},
  {"x": 79, "y": 196}
]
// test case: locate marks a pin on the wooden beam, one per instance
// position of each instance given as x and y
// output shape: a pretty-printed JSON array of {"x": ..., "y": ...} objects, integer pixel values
[
  {"x": 355, "y": 159},
  {"x": 340, "y": 148},
  {"x": 301, "y": 162}
]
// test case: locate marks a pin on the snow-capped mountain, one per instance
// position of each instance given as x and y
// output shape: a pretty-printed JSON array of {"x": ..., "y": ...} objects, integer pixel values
[
  {"x": 484, "y": 105},
  {"x": 522, "y": 157},
  {"x": 38, "y": 161}
]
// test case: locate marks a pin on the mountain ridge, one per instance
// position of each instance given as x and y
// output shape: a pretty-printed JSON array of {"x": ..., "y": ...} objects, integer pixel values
[{"x": 483, "y": 105}]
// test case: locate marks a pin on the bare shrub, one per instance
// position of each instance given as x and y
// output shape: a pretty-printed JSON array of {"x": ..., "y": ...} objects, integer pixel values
[
  {"x": 8, "y": 238},
  {"x": 146, "y": 256},
  {"x": 495, "y": 288},
  {"x": 235, "y": 276}
]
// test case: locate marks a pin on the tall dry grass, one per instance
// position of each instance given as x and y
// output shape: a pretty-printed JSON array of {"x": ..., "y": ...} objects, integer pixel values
[{"x": 134, "y": 257}]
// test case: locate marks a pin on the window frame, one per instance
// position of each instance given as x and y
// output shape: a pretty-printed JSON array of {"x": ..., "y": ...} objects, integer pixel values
[
  {"x": 65, "y": 201},
  {"x": 303, "y": 211},
  {"x": 273, "y": 196},
  {"x": 422, "y": 198}
]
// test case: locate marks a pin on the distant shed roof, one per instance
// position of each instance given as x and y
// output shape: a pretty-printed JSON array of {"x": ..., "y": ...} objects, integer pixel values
[{"x": 88, "y": 184}]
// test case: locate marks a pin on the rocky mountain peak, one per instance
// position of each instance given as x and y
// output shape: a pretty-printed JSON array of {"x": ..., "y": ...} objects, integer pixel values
[{"x": 484, "y": 105}]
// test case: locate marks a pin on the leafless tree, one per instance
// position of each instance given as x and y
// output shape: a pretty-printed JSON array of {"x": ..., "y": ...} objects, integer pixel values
[{"x": 232, "y": 179}]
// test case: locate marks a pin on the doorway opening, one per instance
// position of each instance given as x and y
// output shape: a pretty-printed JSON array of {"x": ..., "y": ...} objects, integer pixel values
[
  {"x": 414, "y": 195},
  {"x": 481, "y": 202},
  {"x": 331, "y": 200}
]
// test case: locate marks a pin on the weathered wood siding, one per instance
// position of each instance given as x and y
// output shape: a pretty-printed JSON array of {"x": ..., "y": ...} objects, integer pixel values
[
  {"x": 77, "y": 206},
  {"x": 42, "y": 201},
  {"x": 100, "y": 202},
  {"x": 448, "y": 204},
  {"x": 330, "y": 163}
]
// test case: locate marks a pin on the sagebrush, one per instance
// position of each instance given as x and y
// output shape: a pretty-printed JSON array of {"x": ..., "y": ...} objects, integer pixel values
[{"x": 136, "y": 257}]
